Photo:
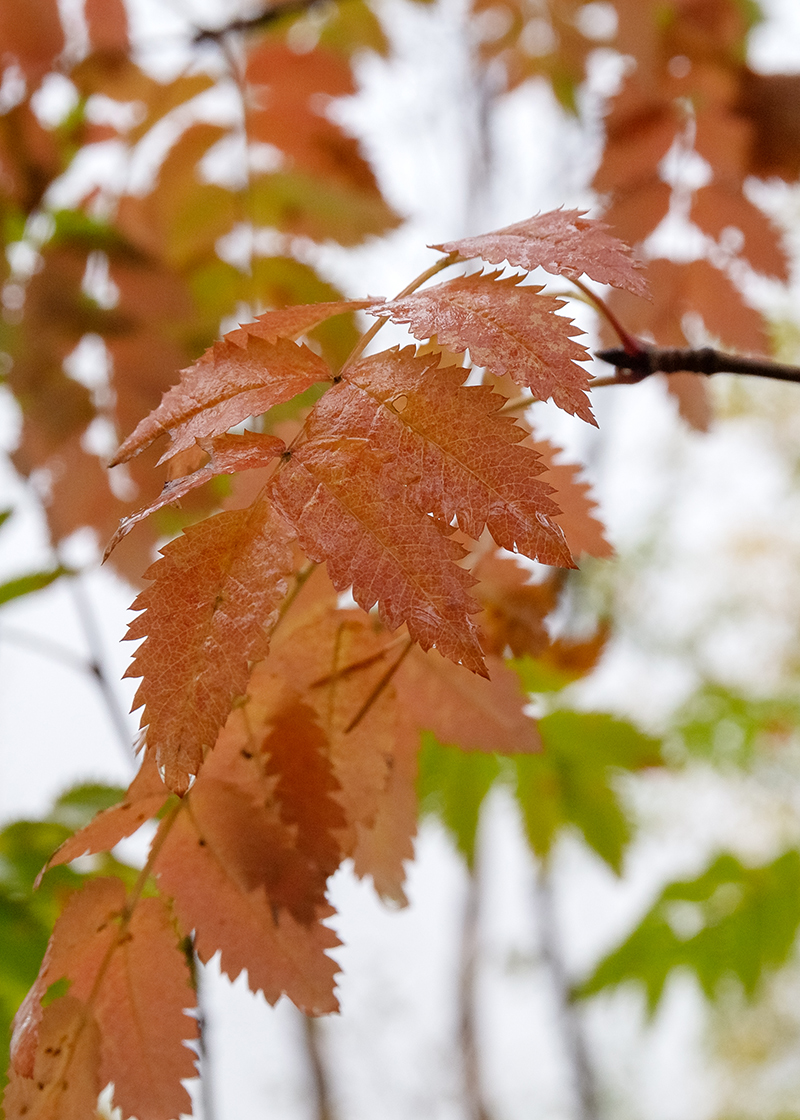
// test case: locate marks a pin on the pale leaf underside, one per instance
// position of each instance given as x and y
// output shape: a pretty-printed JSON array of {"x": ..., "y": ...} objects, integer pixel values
[
  {"x": 562, "y": 242},
  {"x": 508, "y": 328}
]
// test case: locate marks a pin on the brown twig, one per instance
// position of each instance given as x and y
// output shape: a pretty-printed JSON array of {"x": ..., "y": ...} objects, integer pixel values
[
  {"x": 634, "y": 367},
  {"x": 254, "y": 23}
]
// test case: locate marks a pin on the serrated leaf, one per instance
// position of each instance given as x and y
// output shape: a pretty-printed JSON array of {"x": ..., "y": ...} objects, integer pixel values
[
  {"x": 571, "y": 781},
  {"x": 231, "y": 382},
  {"x": 64, "y": 1081},
  {"x": 730, "y": 921},
  {"x": 234, "y": 874},
  {"x": 509, "y": 328},
  {"x": 460, "y": 460},
  {"x": 226, "y": 454},
  {"x": 480, "y": 714},
  {"x": 125, "y": 972},
  {"x": 563, "y": 242},
  {"x": 145, "y": 797},
  {"x": 348, "y": 507},
  {"x": 216, "y": 589}
]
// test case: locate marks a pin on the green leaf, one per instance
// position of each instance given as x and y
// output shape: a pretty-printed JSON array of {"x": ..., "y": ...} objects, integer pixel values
[
  {"x": 537, "y": 676},
  {"x": 571, "y": 781},
  {"x": 731, "y": 921},
  {"x": 24, "y": 585},
  {"x": 726, "y": 727},
  {"x": 4, "y": 516},
  {"x": 451, "y": 785},
  {"x": 27, "y": 916},
  {"x": 79, "y": 805}
]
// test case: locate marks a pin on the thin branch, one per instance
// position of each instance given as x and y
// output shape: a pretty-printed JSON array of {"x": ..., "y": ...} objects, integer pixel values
[
  {"x": 584, "y": 1081},
  {"x": 206, "y": 1080},
  {"x": 477, "y": 1108},
  {"x": 634, "y": 367},
  {"x": 255, "y": 23},
  {"x": 96, "y": 664},
  {"x": 47, "y": 648},
  {"x": 312, "y": 1038}
]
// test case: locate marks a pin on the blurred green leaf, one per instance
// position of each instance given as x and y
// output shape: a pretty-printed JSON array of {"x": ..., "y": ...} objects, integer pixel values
[
  {"x": 537, "y": 676},
  {"x": 24, "y": 585},
  {"x": 726, "y": 727},
  {"x": 27, "y": 916},
  {"x": 571, "y": 782},
  {"x": 730, "y": 921},
  {"x": 451, "y": 785}
]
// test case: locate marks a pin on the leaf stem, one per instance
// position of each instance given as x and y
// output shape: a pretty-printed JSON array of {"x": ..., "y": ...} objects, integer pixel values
[
  {"x": 631, "y": 344},
  {"x": 379, "y": 687},
  {"x": 417, "y": 282}
]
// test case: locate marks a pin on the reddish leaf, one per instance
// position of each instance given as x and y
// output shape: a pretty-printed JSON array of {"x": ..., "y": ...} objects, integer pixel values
[
  {"x": 292, "y": 322},
  {"x": 227, "y": 454},
  {"x": 514, "y": 607},
  {"x": 231, "y": 868},
  {"x": 509, "y": 328},
  {"x": 231, "y": 382},
  {"x": 563, "y": 242},
  {"x": 141, "y": 1011},
  {"x": 216, "y": 589},
  {"x": 338, "y": 659},
  {"x": 34, "y": 38},
  {"x": 107, "y": 24},
  {"x": 145, "y": 797},
  {"x": 347, "y": 501},
  {"x": 716, "y": 208},
  {"x": 65, "y": 1081},
  {"x": 459, "y": 458},
  {"x": 584, "y": 531},
  {"x": 483, "y": 715},
  {"x": 138, "y": 983}
]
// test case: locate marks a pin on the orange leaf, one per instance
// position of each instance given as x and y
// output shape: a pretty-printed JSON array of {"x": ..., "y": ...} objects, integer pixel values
[
  {"x": 145, "y": 797},
  {"x": 137, "y": 980},
  {"x": 458, "y": 457},
  {"x": 141, "y": 1009},
  {"x": 514, "y": 608},
  {"x": 337, "y": 659},
  {"x": 477, "y": 714},
  {"x": 233, "y": 873},
  {"x": 33, "y": 37},
  {"x": 716, "y": 208},
  {"x": 228, "y": 454},
  {"x": 107, "y": 24},
  {"x": 216, "y": 588},
  {"x": 64, "y": 1081},
  {"x": 231, "y": 382},
  {"x": 348, "y": 503},
  {"x": 509, "y": 328},
  {"x": 584, "y": 531},
  {"x": 563, "y": 242}
]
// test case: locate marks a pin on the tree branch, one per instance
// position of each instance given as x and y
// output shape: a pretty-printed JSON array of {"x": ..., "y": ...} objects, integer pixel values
[{"x": 637, "y": 365}]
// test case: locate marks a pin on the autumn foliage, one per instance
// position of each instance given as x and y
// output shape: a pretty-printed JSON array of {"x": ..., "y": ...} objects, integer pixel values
[{"x": 355, "y": 584}]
